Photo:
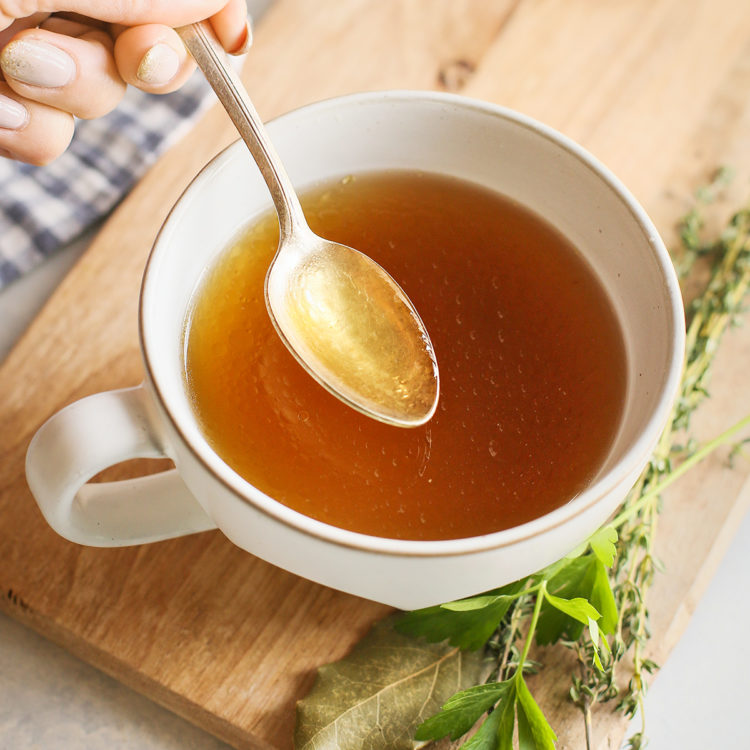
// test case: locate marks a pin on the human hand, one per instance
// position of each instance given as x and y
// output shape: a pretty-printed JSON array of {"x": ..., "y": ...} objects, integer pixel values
[{"x": 78, "y": 60}]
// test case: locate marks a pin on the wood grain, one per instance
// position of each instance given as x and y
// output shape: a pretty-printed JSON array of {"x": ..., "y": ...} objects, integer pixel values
[{"x": 658, "y": 89}]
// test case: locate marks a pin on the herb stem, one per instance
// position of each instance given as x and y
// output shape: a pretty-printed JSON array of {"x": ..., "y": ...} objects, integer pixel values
[
  {"x": 585, "y": 703},
  {"x": 532, "y": 628},
  {"x": 515, "y": 620},
  {"x": 526, "y": 591},
  {"x": 683, "y": 468}
]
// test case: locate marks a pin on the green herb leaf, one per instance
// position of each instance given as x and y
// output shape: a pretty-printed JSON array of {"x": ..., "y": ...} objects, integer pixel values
[
  {"x": 552, "y": 571},
  {"x": 462, "y": 711},
  {"x": 478, "y": 602},
  {"x": 467, "y": 629},
  {"x": 496, "y": 733},
  {"x": 525, "y": 737},
  {"x": 594, "y": 632},
  {"x": 539, "y": 730},
  {"x": 603, "y": 544},
  {"x": 578, "y": 608},
  {"x": 577, "y": 551},
  {"x": 487, "y": 736},
  {"x": 586, "y": 578},
  {"x": 603, "y": 599},
  {"x": 507, "y": 711},
  {"x": 599, "y": 645},
  {"x": 377, "y": 696}
]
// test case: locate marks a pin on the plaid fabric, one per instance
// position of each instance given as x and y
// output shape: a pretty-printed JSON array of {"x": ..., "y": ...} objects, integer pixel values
[{"x": 43, "y": 208}]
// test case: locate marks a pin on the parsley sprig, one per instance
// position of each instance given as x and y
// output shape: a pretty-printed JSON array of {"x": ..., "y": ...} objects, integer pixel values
[{"x": 569, "y": 596}]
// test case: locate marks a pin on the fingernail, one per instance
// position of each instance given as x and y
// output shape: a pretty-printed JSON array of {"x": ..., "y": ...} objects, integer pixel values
[
  {"x": 37, "y": 63},
  {"x": 12, "y": 114},
  {"x": 246, "y": 41},
  {"x": 159, "y": 65}
]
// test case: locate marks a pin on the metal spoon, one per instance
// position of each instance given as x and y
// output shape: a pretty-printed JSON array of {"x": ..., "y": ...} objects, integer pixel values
[{"x": 348, "y": 323}]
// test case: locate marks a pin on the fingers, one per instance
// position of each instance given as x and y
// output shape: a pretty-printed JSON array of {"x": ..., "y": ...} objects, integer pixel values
[
  {"x": 232, "y": 27},
  {"x": 32, "y": 132},
  {"x": 65, "y": 68},
  {"x": 79, "y": 61},
  {"x": 153, "y": 58},
  {"x": 73, "y": 70}
]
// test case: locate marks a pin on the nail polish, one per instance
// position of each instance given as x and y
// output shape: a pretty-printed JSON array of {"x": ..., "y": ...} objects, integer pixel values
[
  {"x": 13, "y": 115},
  {"x": 37, "y": 63},
  {"x": 159, "y": 65}
]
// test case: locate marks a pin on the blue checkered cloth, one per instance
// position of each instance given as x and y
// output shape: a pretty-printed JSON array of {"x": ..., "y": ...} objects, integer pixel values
[{"x": 43, "y": 208}]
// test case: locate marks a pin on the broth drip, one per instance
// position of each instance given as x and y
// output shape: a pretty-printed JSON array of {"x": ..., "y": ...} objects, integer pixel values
[{"x": 531, "y": 358}]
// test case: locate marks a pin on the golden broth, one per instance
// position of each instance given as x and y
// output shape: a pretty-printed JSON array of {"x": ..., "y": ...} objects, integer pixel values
[{"x": 531, "y": 360}]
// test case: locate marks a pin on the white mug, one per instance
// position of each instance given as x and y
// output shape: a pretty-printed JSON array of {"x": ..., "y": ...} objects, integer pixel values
[{"x": 452, "y": 135}]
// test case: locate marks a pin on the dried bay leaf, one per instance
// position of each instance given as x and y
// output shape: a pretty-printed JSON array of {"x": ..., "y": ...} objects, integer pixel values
[{"x": 376, "y": 697}]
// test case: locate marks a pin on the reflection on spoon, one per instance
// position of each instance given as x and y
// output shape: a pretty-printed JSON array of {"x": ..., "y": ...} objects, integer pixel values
[
  {"x": 347, "y": 319},
  {"x": 343, "y": 317}
]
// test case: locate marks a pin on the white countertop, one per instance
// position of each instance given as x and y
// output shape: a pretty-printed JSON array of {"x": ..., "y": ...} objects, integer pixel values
[{"x": 51, "y": 700}]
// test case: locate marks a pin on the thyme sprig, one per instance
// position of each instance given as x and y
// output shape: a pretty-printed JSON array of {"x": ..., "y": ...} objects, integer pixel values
[
  {"x": 710, "y": 314},
  {"x": 595, "y": 600}
]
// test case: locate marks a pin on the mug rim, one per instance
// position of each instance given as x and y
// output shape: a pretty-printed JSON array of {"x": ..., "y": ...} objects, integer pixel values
[{"x": 635, "y": 455}]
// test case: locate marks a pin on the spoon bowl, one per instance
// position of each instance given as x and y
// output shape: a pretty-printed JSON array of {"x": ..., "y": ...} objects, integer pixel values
[
  {"x": 342, "y": 316},
  {"x": 346, "y": 320}
]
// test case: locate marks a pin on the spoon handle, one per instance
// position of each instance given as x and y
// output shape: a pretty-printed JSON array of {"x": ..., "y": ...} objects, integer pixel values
[{"x": 211, "y": 58}]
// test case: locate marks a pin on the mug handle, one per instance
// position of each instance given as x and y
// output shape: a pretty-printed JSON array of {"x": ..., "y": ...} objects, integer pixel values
[{"x": 87, "y": 436}]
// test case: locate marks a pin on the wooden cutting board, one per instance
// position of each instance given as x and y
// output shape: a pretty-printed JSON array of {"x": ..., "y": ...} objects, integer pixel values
[{"x": 658, "y": 89}]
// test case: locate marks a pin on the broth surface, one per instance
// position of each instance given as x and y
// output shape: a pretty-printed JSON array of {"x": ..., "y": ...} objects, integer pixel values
[{"x": 531, "y": 358}]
